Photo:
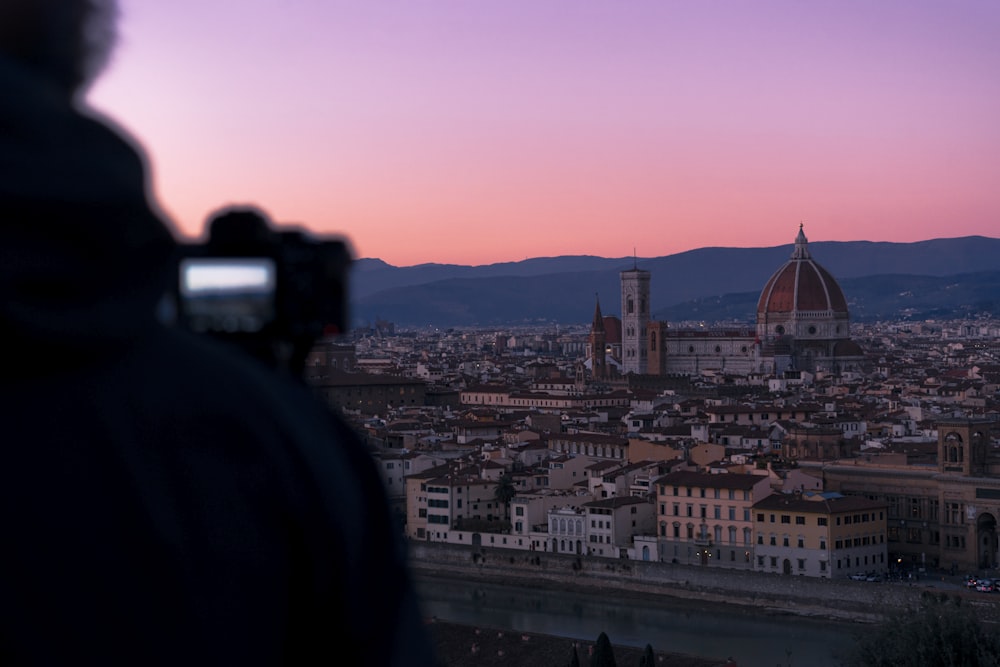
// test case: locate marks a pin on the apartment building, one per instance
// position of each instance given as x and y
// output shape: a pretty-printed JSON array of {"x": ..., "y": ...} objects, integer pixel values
[
  {"x": 819, "y": 534},
  {"x": 444, "y": 498},
  {"x": 704, "y": 518},
  {"x": 612, "y": 523}
]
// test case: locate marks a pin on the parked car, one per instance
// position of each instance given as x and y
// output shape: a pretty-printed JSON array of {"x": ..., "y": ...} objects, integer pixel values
[
  {"x": 985, "y": 586},
  {"x": 971, "y": 582},
  {"x": 859, "y": 576}
]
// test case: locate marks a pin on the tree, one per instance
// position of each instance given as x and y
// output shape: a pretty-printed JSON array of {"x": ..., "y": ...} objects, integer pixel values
[
  {"x": 603, "y": 655},
  {"x": 647, "y": 659},
  {"x": 940, "y": 632},
  {"x": 505, "y": 492}
]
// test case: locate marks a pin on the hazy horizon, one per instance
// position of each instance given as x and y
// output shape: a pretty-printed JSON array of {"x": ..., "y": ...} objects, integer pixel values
[{"x": 641, "y": 257}]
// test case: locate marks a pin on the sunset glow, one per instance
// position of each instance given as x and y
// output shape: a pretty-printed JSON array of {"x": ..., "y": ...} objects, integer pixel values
[{"x": 481, "y": 132}]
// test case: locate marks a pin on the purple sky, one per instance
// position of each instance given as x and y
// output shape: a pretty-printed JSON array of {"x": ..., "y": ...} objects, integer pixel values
[{"x": 480, "y": 131}]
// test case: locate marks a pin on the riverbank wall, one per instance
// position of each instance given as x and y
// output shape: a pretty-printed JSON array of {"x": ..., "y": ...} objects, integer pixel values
[{"x": 757, "y": 592}]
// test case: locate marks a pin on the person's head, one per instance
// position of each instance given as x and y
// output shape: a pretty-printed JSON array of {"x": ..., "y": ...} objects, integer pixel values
[{"x": 66, "y": 41}]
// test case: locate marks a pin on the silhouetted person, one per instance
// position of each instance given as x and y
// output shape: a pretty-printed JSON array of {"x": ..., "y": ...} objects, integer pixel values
[{"x": 163, "y": 500}]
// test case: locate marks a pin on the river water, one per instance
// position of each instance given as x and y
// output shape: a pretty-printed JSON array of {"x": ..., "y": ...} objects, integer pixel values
[{"x": 753, "y": 640}]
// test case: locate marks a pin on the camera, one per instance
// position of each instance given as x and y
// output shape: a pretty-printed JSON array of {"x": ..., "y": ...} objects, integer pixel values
[{"x": 271, "y": 290}]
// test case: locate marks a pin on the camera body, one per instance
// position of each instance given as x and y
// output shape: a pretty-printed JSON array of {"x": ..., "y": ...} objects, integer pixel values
[{"x": 272, "y": 291}]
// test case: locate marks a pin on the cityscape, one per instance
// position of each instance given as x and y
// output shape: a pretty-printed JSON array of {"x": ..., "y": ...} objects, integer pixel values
[
  {"x": 800, "y": 445},
  {"x": 457, "y": 334}
]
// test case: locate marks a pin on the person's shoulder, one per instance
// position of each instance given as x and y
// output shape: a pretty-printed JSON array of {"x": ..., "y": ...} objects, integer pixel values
[{"x": 213, "y": 376}]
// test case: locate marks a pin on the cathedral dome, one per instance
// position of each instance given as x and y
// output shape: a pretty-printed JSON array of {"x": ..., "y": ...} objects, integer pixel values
[{"x": 800, "y": 286}]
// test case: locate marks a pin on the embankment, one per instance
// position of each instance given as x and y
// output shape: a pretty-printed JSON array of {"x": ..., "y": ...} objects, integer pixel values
[{"x": 840, "y": 599}]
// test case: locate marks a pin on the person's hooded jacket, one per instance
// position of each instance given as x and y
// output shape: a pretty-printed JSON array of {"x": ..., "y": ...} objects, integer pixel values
[{"x": 162, "y": 499}]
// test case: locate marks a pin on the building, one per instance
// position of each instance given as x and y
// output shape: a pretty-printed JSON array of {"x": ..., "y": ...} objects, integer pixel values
[
  {"x": 941, "y": 514},
  {"x": 635, "y": 320},
  {"x": 707, "y": 519},
  {"x": 802, "y": 324},
  {"x": 446, "y": 498},
  {"x": 802, "y": 318},
  {"x": 612, "y": 523},
  {"x": 598, "y": 346},
  {"x": 819, "y": 534},
  {"x": 369, "y": 394}
]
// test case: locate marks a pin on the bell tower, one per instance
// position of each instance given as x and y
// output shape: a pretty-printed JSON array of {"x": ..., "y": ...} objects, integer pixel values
[
  {"x": 635, "y": 320},
  {"x": 963, "y": 446},
  {"x": 598, "y": 343}
]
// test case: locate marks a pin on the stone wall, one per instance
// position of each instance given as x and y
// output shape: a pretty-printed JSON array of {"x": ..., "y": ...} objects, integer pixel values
[{"x": 838, "y": 598}]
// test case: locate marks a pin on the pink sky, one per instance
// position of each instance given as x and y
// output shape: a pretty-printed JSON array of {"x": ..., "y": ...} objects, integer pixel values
[{"x": 476, "y": 132}]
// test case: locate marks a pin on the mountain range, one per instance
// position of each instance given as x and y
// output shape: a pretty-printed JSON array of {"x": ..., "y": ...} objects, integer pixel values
[{"x": 939, "y": 278}]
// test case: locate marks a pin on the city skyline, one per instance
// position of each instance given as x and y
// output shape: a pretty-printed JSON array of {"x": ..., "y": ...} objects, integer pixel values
[{"x": 474, "y": 133}]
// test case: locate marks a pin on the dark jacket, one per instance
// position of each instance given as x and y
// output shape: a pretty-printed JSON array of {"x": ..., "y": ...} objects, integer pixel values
[{"x": 163, "y": 500}]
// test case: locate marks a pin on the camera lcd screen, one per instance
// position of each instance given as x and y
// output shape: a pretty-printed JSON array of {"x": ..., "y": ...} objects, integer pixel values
[{"x": 232, "y": 295}]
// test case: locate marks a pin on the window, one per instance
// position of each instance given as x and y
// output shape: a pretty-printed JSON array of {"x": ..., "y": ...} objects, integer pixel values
[
  {"x": 800, "y": 521},
  {"x": 821, "y": 521},
  {"x": 786, "y": 518}
]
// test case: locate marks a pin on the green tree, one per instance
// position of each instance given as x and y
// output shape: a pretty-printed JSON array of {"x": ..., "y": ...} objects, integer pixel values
[
  {"x": 647, "y": 659},
  {"x": 603, "y": 655},
  {"x": 505, "y": 492},
  {"x": 940, "y": 632}
]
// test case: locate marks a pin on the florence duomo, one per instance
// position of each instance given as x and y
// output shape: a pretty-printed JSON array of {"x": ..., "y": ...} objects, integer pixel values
[{"x": 802, "y": 324}]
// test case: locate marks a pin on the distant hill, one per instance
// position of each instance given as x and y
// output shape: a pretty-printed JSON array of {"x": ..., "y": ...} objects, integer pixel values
[{"x": 936, "y": 278}]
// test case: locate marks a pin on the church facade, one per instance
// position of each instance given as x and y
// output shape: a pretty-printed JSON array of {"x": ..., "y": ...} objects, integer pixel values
[{"x": 802, "y": 324}]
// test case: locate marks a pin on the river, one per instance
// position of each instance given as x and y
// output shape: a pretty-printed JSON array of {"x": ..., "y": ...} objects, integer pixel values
[{"x": 753, "y": 640}]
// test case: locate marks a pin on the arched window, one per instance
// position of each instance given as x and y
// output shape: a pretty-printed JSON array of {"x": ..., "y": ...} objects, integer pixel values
[{"x": 953, "y": 448}]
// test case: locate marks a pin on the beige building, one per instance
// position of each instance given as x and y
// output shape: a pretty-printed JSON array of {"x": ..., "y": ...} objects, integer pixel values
[
  {"x": 443, "y": 499},
  {"x": 819, "y": 535},
  {"x": 940, "y": 515},
  {"x": 706, "y": 519},
  {"x": 593, "y": 445}
]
